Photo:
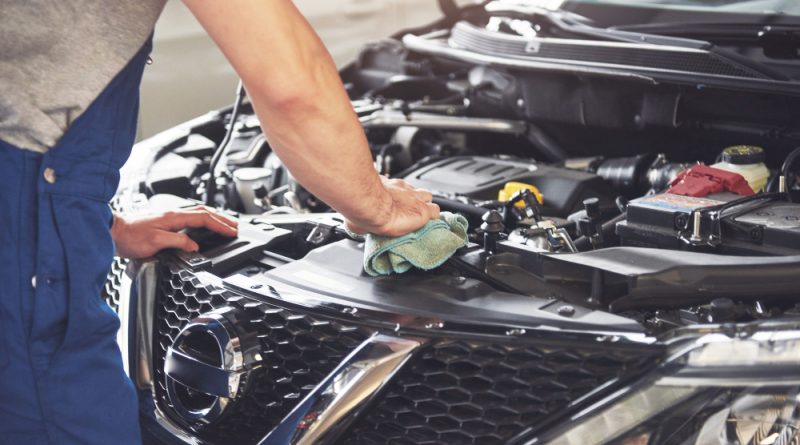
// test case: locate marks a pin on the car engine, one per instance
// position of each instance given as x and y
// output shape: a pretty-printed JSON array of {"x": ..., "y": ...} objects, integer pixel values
[{"x": 538, "y": 209}]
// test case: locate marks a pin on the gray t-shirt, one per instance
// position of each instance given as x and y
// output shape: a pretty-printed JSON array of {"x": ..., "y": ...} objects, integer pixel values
[{"x": 57, "y": 56}]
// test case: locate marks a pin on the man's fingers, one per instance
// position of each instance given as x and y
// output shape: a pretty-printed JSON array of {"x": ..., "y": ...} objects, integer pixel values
[
  {"x": 423, "y": 195},
  {"x": 225, "y": 221},
  {"x": 433, "y": 210},
  {"x": 224, "y": 218},
  {"x": 172, "y": 240},
  {"x": 175, "y": 221}
]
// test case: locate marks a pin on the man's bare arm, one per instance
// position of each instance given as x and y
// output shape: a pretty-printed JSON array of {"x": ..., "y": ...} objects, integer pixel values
[{"x": 306, "y": 114}]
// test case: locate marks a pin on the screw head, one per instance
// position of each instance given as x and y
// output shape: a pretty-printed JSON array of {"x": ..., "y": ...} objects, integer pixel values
[{"x": 256, "y": 286}]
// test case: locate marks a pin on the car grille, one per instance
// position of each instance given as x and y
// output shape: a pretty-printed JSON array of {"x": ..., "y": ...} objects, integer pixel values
[
  {"x": 299, "y": 350},
  {"x": 111, "y": 290},
  {"x": 455, "y": 391},
  {"x": 468, "y": 392}
]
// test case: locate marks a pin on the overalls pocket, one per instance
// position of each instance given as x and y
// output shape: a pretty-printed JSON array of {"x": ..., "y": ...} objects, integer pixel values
[{"x": 82, "y": 231}]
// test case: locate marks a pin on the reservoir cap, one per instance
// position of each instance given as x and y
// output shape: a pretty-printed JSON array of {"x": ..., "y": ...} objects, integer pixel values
[{"x": 743, "y": 155}]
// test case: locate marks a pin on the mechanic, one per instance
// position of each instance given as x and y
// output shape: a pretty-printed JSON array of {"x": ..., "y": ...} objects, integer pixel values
[{"x": 69, "y": 80}]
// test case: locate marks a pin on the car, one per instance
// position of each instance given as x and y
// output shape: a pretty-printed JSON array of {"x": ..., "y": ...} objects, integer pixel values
[{"x": 628, "y": 172}]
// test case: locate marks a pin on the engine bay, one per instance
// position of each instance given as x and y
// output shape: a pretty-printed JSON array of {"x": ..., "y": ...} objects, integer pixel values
[{"x": 592, "y": 198}]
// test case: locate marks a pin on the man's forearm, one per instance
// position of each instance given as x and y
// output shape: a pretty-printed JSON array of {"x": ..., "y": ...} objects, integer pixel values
[
  {"x": 319, "y": 138},
  {"x": 299, "y": 99}
]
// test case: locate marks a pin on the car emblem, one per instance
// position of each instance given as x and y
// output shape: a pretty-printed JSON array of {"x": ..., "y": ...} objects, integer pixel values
[{"x": 207, "y": 363}]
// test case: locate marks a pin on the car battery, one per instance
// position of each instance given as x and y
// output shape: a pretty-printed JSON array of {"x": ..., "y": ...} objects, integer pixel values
[
  {"x": 657, "y": 221},
  {"x": 757, "y": 228}
]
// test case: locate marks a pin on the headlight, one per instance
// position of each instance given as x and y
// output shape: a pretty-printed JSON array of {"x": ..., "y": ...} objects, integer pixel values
[{"x": 715, "y": 389}]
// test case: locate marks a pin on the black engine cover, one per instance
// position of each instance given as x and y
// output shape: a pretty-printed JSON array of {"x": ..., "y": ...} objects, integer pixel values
[{"x": 482, "y": 177}]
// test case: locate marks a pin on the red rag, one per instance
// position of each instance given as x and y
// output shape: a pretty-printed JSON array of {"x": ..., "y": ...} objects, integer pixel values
[{"x": 702, "y": 180}]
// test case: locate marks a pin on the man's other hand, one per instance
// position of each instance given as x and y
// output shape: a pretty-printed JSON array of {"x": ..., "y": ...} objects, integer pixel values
[
  {"x": 144, "y": 237},
  {"x": 405, "y": 210}
]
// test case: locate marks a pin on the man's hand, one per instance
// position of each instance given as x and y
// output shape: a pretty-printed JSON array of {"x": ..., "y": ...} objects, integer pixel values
[
  {"x": 406, "y": 209},
  {"x": 144, "y": 237},
  {"x": 306, "y": 113}
]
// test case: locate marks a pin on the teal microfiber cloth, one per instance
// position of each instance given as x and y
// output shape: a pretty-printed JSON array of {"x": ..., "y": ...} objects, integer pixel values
[{"x": 427, "y": 248}]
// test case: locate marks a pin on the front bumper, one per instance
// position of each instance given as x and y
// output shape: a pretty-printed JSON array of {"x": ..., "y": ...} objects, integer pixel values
[
  {"x": 292, "y": 368},
  {"x": 443, "y": 384}
]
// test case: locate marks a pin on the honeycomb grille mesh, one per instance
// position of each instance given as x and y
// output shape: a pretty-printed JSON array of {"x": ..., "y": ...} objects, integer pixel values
[
  {"x": 455, "y": 391},
  {"x": 298, "y": 352},
  {"x": 464, "y": 392},
  {"x": 111, "y": 289}
]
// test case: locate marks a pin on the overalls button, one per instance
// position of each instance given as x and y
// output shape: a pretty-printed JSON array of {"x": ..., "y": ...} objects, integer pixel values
[
  {"x": 50, "y": 175},
  {"x": 33, "y": 281}
]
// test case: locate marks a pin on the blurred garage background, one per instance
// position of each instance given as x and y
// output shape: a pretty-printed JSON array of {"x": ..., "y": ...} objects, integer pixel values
[{"x": 190, "y": 76}]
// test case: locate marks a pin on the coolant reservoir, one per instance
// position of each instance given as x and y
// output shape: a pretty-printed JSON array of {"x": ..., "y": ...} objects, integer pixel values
[{"x": 748, "y": 161}]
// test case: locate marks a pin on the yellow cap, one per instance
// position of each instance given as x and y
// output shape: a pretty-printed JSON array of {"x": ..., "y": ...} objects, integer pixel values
[{"x": 510, "y": 188}]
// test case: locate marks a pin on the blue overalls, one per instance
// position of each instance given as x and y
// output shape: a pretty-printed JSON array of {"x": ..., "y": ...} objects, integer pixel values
[{"x": 61, "y": 375}]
